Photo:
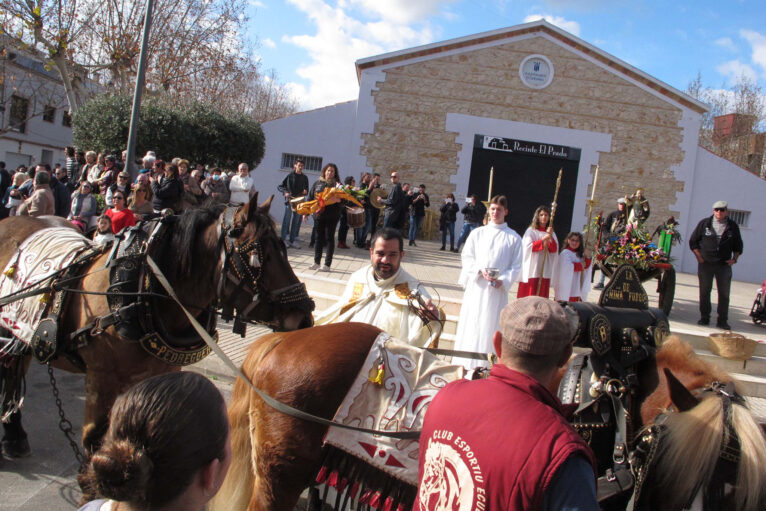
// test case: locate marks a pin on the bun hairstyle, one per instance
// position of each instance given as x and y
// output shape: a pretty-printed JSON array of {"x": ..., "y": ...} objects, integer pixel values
[{"x": 161, "y": 432}]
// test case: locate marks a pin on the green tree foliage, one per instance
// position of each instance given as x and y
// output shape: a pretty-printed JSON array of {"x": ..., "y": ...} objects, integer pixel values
[{"x": 196, "y": 131}]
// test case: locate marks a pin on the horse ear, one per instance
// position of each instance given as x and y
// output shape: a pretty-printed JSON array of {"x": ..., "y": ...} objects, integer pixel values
[
  {"x": 264, "y": 208},
  {"x": 680, "y": 396},
  {"x": 252, "y": 207}
]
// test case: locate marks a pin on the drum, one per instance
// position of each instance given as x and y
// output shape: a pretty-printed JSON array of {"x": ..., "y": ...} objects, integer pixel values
[
  {"x": 355, "y": 217},
  {"x": 294, "y": 203}
]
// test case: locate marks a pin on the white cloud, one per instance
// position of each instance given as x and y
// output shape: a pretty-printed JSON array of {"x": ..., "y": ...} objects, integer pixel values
[
  {"x": 570, "y": 26},
  {"x": 733, "y": 69},
  {"x": 269, "y": 42},
  {"x": 348, "y": 31},
  {"x": 398, "y": 11},
  {"x": 726, "y": 43},
  {"x": 758, "y": 42},
  {"x": 257, "y": 3}
]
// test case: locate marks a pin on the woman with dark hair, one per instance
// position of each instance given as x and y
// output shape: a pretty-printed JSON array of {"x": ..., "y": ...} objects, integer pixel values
[
  {"x": 158, "y": 168},
  {"x": 168, "y": 190},
  {"x": 538, "y": 239},
  {"x": 119, "y": 213},
  {"x": 447, "y": 221},
  {"x": 167, "y": 447},
  {"x": 326, "y": 219},
  {"x": 571, "y": 276}
]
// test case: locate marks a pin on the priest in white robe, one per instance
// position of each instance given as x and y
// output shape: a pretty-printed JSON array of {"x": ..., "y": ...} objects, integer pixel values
[
  {"x": 383, "y": 295},
  {"x": 491, "y": 264},
  {"x": 571, "y": 276},
  {"x": 540, "y": 248}
]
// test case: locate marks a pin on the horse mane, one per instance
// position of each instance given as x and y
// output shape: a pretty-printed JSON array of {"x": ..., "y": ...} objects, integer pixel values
[
  {"x": 177, "y": 259},
  {"x": 694, "y": 439},
  {"x": 679, "y": 357}
]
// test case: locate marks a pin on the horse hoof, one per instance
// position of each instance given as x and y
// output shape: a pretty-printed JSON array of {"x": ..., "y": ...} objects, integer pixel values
[{"x": 16, "y": 449}]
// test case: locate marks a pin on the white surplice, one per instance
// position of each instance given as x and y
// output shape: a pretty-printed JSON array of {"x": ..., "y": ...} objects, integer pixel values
[
  {"x": 532, "y": 261},
  {"x": 568, "y": 283},
  {"x": 492, "y": 246},
  {"x": 384, "y": 304}
]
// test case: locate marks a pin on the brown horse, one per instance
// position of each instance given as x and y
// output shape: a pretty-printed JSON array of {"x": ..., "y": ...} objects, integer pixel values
[
  {"x": 276, "y": 456},
  {"x": 202, "y": 255}
]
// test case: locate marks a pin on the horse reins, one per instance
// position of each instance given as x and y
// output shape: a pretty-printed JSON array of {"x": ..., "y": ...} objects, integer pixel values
[{"x": 277, "y": 405}]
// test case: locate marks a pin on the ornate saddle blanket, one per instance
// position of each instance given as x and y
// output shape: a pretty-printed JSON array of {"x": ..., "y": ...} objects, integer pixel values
[
  {"x": 38, "y": 257},
  {"x": 391, "y": 393}
]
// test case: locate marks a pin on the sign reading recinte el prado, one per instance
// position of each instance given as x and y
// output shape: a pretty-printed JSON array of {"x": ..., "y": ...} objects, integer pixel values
[{"x": 536, "y": 71}]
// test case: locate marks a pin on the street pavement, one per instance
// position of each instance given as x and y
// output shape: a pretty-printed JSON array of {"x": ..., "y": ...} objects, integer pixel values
[{"x": 47, "y": 479}]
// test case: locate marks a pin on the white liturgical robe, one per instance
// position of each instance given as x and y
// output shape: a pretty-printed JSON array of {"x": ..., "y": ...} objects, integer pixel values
[
  {"x": 384, "y": 304},
  {"x": 491, "y": 246},
  {"x": 569, "y": 282}
]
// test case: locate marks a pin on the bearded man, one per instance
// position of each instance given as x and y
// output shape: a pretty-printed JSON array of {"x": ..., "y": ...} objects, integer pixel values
[{"x": 385, "y": 295}]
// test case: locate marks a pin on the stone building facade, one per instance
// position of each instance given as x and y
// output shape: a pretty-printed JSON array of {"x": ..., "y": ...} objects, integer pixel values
[{"x": 528, "y": 102}]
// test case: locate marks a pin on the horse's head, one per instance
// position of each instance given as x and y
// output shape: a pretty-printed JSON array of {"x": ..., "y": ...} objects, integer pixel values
[
  {"x": 710, "y": 450},
  {"x": 257, "y": 279}
]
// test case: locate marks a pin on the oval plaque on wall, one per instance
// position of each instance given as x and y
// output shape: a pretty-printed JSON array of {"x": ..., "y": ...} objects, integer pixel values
[{"x": 536, "y": 71}]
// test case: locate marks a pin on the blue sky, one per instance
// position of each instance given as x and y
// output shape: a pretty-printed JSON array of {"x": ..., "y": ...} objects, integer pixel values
[{"x": 313, "y": 44}]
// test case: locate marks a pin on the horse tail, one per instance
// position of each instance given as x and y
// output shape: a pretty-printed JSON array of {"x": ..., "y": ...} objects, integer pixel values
[
  {"x": 694, "y": 439},
  {"x": 751, "y": 473},
  {"x": 236, "y": 490}
]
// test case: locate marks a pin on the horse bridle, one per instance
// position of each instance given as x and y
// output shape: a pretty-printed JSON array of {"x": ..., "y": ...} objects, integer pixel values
[
  {"x": 242, "y": 264},
  {"x": 725, "y": 470}
]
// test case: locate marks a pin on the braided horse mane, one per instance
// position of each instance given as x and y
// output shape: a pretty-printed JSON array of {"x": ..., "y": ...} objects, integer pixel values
[{"x": 694, "y": 438}]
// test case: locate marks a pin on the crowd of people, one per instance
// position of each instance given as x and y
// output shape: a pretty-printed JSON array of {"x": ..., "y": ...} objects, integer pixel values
[{"x": 97, "y": 194}]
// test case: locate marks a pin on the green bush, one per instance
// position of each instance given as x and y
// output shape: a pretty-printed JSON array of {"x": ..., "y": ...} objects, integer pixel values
[{"x": 196, "y": 131}]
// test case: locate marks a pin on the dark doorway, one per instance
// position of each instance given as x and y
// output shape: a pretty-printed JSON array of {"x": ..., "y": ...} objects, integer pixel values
[{"x": 527, "y": 177}]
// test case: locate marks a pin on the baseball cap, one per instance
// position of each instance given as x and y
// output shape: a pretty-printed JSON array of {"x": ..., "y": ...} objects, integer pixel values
[{"x": 536, "y": 325}]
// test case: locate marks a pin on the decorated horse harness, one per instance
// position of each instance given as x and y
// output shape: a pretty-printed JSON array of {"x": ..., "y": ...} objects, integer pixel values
[{"x": 134, "y": 295}]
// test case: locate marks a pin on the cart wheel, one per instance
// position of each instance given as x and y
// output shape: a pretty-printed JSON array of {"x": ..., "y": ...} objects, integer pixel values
[{"x": 667, "y": 290}]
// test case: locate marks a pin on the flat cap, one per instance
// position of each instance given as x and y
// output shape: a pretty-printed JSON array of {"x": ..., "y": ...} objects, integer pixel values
[
  {"x": 721, "y": 204},
  {"x": 536, "y": 325},
  {"x": 622, "y": 200}
]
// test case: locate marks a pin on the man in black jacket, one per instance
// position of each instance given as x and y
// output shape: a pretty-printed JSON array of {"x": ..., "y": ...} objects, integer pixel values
[
  {"x": 419, "y": 202},
  {"x": 473, "y": 217},
  {"x": 717, "y": 244},
  {"x": 396, "y": 204},
  {"x": 295, "y": 184}
]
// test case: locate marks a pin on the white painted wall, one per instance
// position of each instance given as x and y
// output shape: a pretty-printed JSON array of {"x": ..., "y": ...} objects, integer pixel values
[
  {"x": 718, "y": 179},
  {"x": 325, "y": 132}
]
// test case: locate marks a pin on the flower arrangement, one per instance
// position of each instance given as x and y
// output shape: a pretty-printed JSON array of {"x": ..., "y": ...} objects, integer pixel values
[{"x": 634, "y": 247}]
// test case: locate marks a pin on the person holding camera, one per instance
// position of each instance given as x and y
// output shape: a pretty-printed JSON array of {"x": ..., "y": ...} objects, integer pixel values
[{"x": 419, "y": 204}]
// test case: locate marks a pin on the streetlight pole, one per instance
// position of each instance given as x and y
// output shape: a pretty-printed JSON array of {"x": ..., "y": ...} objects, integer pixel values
[{"x": 135, "y": 112}]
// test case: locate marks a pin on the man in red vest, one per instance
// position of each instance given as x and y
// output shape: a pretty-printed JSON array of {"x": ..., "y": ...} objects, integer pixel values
[{"x": 503, "y": 443}]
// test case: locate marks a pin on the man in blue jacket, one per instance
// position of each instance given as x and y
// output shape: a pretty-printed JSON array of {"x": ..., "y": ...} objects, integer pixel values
[{"x": 717, "y": 244}]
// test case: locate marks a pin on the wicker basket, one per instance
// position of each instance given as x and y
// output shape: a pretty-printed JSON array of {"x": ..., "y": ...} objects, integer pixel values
[{"x": 732, "y": 346}]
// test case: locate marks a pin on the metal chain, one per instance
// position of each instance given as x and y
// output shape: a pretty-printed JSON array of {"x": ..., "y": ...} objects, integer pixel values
[{"x": 64, "y": 425}]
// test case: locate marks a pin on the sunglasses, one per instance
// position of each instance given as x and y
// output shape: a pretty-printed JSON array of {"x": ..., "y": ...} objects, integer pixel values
[{"x": 719, "y": 209}]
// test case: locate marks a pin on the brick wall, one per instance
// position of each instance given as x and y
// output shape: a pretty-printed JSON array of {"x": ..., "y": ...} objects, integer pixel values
[{"x": 413, "y": 101}]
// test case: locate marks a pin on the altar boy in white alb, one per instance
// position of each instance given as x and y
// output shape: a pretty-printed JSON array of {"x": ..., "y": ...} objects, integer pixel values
[{"x": 491, "y": 264}]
